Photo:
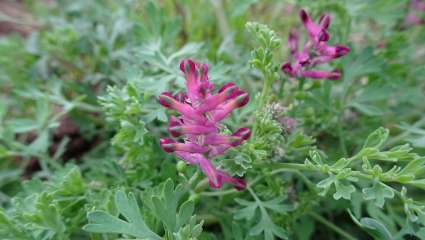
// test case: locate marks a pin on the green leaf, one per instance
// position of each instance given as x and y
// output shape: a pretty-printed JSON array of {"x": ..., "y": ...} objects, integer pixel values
[
  {"x": 185, "y": 213},
  {"x": 343, "y": 190},
  {"x": 377, "y": 138},
  {"x": 367, "y": 109},
  {"x": 266, "y": 224},
  {"x": 419, "y": 183},
  {"x": 245, "y": 213},
  {"x": 164, "y": 205},
  {"x": 374, "y": 227},
  {"x": 103, "y": 222},
  {"x": 9, "y": 229},
  {"x": 411, "y": 169},
  {"x": 378, "y": 192},
  {"x": 23, "y": 125},
  {"x": 191, "y": 231},
  {"x": 326, "y": 184}
]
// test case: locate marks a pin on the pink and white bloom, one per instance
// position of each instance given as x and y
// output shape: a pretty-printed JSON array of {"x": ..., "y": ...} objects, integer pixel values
[
  {"x": 198, "y": 124},
  {"x": 315, "y": 51}
]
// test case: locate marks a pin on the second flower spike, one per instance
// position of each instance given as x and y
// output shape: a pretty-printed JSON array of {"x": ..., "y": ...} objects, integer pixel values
[{"x": 315, "y": 51}]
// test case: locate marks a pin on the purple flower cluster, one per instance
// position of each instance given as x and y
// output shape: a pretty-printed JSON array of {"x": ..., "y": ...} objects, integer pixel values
[
  {"x": 413, "y": 16},
  {"x": 315, "y": 51},
  {"x": 199, "y": 122}
]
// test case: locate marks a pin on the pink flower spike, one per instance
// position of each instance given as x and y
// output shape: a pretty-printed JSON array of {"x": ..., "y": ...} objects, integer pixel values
[
  {"x": 199, "y": 123},
  {"x": 315, "y": 51}
]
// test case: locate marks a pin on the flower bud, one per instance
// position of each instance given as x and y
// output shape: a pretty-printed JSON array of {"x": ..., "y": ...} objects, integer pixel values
[
  {"x": 341, "y": 50},
  {"x": 181, "y": 166},
  {"x": 166, "y": 99},
  {"x": 167, "y": 144}
]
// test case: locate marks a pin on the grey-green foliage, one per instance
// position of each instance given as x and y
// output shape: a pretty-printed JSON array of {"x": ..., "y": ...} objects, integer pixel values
[
  {"x": 258, "y": 209},
  {"x": 133, "y": 225},
  {"x": 50, "y": 210},
  {"x": 403, "y": 167},
  {"x": 163, "y": 203}
]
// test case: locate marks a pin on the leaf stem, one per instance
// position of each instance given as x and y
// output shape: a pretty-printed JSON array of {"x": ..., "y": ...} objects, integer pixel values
[
  {"x": 301, "y": 84},
  {"x": 332, "y": 226},
  {"x": 342, "y": 144},
  {"x": 404, "y": 134}
]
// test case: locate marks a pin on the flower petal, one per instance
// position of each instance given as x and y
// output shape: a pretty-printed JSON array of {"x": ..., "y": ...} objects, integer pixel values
[
  {"x": 210, "y": 171},
  {"x": 214, "y": 100},
  {"x": 317, "y": 74},
  {"x": 293, "y": 40},
  {"x": 238, "y": 183},
  {"x": 241, "y": 100},
  {"x": 170, "y": 145},
  {"x": 168, "y": 101}
]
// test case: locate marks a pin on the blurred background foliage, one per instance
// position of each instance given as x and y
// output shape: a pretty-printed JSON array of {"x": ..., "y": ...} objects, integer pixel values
[{"x": 79, "y": 120}]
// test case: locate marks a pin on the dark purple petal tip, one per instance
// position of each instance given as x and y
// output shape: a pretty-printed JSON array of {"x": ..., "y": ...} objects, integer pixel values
[
  {"x": 242, "y": 99},
  {"x": 187, "y": 65},
  {"x": 304, "y": 16},
  {"x": 341, "y": 50},
  {"x": 166, "y": 99},
  {"x": 287, "y": 68},
  {"x": 239, "y": 184},
  {"x": 167, "y": 144},
  {"x": 243, "y": 133}
]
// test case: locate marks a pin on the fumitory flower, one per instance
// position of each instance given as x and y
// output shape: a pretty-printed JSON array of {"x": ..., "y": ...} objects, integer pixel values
[
  {"x": 413, "y": 16},
  {"x": 201, "y": 111},
  {"x": 315, "y": 51}
]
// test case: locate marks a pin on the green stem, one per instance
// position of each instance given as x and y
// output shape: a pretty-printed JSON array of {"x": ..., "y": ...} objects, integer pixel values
[
  {"x": 281, "y": 88},
  {"x": 289, "y": 166},
  {"x": 223, "y": 24},
  {"x": 342, "y": 144},
  {"x": 403, "y": 135},
  {"x": 301, "y": 84},
  {"x": 332, "y": 226},
  {"x": 282, "y": 167},
  {"x": 266, "y": 89},
  {"x": 202, "y": 185}
]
